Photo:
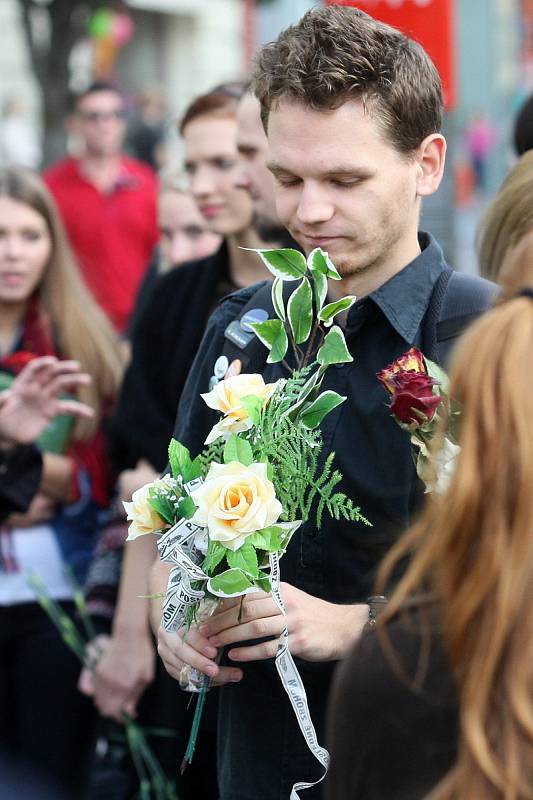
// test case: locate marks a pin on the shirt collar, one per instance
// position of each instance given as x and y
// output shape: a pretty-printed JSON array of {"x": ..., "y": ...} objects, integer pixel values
[{"x": 404, "y": 299}]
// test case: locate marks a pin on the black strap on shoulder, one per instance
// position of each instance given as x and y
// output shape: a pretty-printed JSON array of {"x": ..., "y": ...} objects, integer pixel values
[
  {"x": 457, "y": 300},
  {"x": 240, "y": 342}
]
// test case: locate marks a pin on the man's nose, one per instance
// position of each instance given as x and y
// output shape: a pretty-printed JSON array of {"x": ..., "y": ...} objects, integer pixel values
[{"x": 313, "y": 206}]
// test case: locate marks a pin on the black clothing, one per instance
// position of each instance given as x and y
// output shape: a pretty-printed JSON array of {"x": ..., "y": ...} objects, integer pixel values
[
  {"x": 20, "y": 476},
  {"x": 337, "y": 562},
  {"x": 43, "y": 717},
  {"x": 164, "y": 342},
  {"x": 392, "y": 738}
]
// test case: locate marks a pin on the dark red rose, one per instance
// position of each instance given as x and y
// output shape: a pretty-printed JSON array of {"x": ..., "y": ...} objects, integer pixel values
[
  {"x": 412, "y": 392},
  {"x": 412, "y": 361}
]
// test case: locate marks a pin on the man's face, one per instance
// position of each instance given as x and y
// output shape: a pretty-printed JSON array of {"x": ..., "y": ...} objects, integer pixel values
[
  {"x": 101, "y": 122},
  {"x": 252, "y": 145},
  {"x": 340, "y": 185}
]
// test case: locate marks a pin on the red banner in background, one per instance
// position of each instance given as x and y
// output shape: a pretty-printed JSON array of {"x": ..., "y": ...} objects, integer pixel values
[{"x": 429, "y": 22}]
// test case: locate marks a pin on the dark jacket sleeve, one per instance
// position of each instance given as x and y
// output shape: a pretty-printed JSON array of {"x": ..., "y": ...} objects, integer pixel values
[{"x": 20, "y": 476}]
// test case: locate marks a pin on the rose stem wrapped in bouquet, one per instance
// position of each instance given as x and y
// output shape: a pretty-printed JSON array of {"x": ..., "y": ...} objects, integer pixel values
[
  {"x": 225, "y": 517},
  {"x": 418, "y": 390}
]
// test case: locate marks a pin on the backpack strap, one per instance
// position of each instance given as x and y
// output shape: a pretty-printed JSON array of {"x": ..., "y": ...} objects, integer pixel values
[
  {"x": 240, "y": 342},
  {"x": 457, "y": 300}
]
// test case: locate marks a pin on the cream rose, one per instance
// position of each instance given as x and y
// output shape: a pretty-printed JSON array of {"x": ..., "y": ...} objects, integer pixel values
[
  {"x": 142, "y": 516},
  {"x": 227, "y": 396},
  {"x": 235, "y": 501}
]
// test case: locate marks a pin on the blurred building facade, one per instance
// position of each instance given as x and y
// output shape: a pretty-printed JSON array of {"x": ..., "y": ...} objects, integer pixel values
[{"x": 186, "y": 46}]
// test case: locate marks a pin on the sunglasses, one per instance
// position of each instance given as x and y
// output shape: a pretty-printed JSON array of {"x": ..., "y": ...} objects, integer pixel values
[{"x": 101, "y": 116}]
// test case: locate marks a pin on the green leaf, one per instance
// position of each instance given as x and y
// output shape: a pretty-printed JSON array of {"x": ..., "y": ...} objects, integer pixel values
[
  {"x": 327, "y": 314},
  {"x": 286, "y": 264},
  {"x": 195, "y": 471},
  {"x": 318, "y": 261},
  {"x": 300, "y": 311},
  {"x": 164, "y": 506},
  {"x": 215, "y": 554},
  {"x": 436, "y": 372},
  {"x": 263, "y": 582},
  {"x": 273, "y": 335},
  {"x": 186, "y": 507},
  {"x": 277, "y": 298},
  {"x": 334, "y": 350},
  {"x": 244, "y": 558},
  {"x": 179, "y": 459},
  {"x": 269, "y": 539},
  {"x": 230, "y": 582},
  {"x": 320, "y": 289},
  {"x": 253, "y": 404},
  {"x": 315, "y": 412},
  {"x": 237, "y": 449}
]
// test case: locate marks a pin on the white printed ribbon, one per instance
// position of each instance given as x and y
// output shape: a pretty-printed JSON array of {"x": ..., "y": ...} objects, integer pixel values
[
  {"x": 176, "y": 546},
  {"x": 293, "y": 685}
]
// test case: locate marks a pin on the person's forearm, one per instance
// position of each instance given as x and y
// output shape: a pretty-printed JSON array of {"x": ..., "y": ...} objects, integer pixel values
[
  {"x": 132, "y": 612},
  {"x": 56, "y": 479}
]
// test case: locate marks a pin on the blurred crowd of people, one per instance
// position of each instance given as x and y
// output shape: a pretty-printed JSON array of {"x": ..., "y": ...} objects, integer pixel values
[{"x": 110, "y": 272}]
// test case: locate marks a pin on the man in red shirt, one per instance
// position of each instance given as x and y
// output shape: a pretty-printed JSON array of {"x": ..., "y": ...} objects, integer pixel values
[{"x": 108, "y": 203}]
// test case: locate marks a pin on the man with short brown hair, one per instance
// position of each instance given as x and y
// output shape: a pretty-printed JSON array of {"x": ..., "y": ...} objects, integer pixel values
[{"x": 352, "y": 111}]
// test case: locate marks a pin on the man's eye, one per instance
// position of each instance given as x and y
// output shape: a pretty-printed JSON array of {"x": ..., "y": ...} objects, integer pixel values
[
  {"x": 287, "y": 181},
  {"x": 343, "y": 184}
]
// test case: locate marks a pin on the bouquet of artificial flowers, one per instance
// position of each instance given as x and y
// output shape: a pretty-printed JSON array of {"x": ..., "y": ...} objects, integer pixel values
[
  {"x": 226, "y": 516},
  {"x": 418, "y": 390}
]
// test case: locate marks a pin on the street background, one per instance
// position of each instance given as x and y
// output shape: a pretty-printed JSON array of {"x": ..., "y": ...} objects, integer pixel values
[{"x": 174, "y": 49}]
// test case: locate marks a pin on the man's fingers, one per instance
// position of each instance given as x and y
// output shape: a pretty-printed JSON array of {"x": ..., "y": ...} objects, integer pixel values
[
  {"x": 257, "y": 629},
  {"x": 240, "y": 613},
  {"x": 256, "y": 652},
  {"x": 175, "y": 651}
]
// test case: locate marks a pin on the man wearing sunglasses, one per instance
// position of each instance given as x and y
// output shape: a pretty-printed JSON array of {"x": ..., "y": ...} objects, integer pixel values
[{"x": 107, "y": 201}]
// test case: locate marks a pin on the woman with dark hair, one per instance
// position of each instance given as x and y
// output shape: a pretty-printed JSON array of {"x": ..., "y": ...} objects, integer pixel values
[
  {"x": 438, "y": 702},
  {"x": 45, "y": 310}
]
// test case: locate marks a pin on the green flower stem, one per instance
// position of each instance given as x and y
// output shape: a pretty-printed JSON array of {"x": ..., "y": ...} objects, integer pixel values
[
  {"x": 200, "y": 703},
  {"x": 133, "y": 742}
]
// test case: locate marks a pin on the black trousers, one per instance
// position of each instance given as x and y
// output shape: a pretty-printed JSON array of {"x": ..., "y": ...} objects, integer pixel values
[{"x": 43, "y": 718}]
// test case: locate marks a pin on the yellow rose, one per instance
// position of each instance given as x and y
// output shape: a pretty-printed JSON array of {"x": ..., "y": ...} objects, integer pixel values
[
  {"x": 227, "y": 396},
  {"x": 235, "y": 501},
  {"x": 141, "y": 514}
]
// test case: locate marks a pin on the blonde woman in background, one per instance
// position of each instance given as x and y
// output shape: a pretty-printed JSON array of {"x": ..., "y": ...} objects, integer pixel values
[{"x": 45, "y": 310}]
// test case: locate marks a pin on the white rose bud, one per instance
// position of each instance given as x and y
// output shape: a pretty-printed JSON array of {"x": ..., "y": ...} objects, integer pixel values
[
  {"x": 235, "y": 501},
  {"x": 144, "y": 519},
  {"x": 227, "y": 396}
]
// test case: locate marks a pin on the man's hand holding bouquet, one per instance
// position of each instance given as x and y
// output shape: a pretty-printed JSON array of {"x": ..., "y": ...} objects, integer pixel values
[{"x": 225, "y": 517}]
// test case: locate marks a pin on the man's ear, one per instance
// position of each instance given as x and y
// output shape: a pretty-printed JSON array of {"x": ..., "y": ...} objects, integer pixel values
[{"x": 430, "y": 157}]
